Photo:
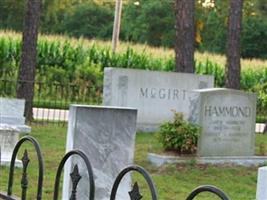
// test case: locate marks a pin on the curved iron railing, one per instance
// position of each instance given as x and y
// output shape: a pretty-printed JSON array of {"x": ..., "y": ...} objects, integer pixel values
[
  {"x": 134, "y": 194},
  {"x": 207, "y": 188},
  {"x": 25, "y": 161},
  {"x": 75, "y": 176}
]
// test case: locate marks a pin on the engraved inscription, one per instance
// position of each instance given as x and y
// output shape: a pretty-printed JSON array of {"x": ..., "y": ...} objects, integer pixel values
[
  {"x": 226, "y": 130},
  {"x": 224, "y": 111},
  {"x": 163, "y": 93}
]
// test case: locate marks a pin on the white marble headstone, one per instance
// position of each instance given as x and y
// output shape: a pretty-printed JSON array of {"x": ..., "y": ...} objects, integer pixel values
[
  {"x": 12, "y": 113},
  {"x": 9, "y": 137},
  {"x": 227, "y": 119},
  {"x": 155, "y": 94},
  {"x": 12, "y": 123},
  {"x": 107, "y": 136}
]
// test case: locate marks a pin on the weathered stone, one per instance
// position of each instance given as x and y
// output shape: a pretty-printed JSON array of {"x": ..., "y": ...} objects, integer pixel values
[
  {"x": 12, "y": 107},
  {"x": 227, "y": 119},
  {"x": 12, "y": 123},
  {"x": 9, "y": 136},
  {"x": 248, "y": 161},
  {"x": 11, "y": 113},
  {"x": 154, "y": 94},
  {"x": 106, "y": 135}
]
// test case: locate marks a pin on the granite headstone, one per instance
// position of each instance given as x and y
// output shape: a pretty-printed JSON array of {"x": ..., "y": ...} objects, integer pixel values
[
  {"x": 227, "y": 120},
  {"x": 155, "y": 94},
  {"x": 107, "y": 136}
]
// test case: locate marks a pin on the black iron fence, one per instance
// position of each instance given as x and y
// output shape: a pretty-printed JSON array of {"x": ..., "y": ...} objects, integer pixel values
[
  {"x": 75, "y": 177},
  {"x": 52, "y": 99}
]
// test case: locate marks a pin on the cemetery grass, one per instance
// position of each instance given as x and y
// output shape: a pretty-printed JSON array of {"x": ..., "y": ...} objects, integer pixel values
[{"x": 172, "y": 181}]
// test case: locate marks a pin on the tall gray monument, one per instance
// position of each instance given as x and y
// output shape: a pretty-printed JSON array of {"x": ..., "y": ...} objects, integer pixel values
[{"x": 107, "y": 136}]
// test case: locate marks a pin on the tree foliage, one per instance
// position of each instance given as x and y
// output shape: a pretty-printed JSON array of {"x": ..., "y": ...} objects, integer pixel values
[{"x": 150, "y": 21}]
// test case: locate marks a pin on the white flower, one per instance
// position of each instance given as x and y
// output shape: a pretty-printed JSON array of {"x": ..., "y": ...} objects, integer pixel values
[
  {"x": 137, "y": 3},
  {"x": 208, "y": 4}
]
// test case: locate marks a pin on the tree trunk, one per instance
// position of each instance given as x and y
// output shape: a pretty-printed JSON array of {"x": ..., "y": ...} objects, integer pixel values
[
  {"x": 25, "y": 89},
  {"x": 185, "y": 36},
  {"x": 233, "y": 66}
]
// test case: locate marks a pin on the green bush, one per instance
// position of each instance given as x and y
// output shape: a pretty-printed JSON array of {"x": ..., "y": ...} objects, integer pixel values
[{"x": 179, "y": 135}]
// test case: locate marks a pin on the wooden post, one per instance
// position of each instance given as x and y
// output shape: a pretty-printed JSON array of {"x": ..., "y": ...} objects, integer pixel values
[{"x": 116, "y": 26}]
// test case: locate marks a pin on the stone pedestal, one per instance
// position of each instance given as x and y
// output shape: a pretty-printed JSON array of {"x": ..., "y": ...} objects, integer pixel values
[
  {"x": 107, "y": 136},
  {"x": 9, "y": 136}
]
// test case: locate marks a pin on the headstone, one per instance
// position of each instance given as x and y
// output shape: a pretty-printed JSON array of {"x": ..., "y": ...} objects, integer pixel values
[
  {"x": 261, "y": 193},
  {"x": 9, "y": 137},
  {"x": 12, "y": 123},
  {"x": 227, "y": 120},
  {"x": 107, "y": 136},
  {"x": 154, "y": 94},
  {"x": 11, "y": 113}
]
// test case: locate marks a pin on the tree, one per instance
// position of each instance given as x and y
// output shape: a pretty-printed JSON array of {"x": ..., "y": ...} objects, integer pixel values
[
  {"x": 185, "y": 35},
  {"x": 88, "y": 20},
  {"x": 11, "y": 13},
  {"x": 27, "y": 68},
  {"x": 233, "y": 66}
]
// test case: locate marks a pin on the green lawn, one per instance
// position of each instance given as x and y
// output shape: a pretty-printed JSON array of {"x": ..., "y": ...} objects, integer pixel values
[{"x": 173, "y": 182}]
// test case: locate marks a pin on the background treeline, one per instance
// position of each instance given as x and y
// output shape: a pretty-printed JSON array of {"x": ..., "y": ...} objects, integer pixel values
[{"x": 145, "y": 21}]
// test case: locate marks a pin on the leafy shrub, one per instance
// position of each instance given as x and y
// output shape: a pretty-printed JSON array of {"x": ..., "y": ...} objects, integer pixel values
[{"x": 179, "y": 135}]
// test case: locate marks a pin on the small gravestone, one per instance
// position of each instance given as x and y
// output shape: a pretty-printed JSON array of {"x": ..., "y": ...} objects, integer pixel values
[
  {"x": 154, "y": 94},
  {"x": 12, "y": 123},
  {"x": 12, "y": 113},
  {"x": 227, "y": 119},
  {"x": 107, "y": 136},
  {"x": 9, "y": 137}
]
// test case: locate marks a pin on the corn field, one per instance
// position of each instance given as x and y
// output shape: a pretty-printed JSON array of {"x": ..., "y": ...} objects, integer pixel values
[{"x": 63, "y": 60}]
